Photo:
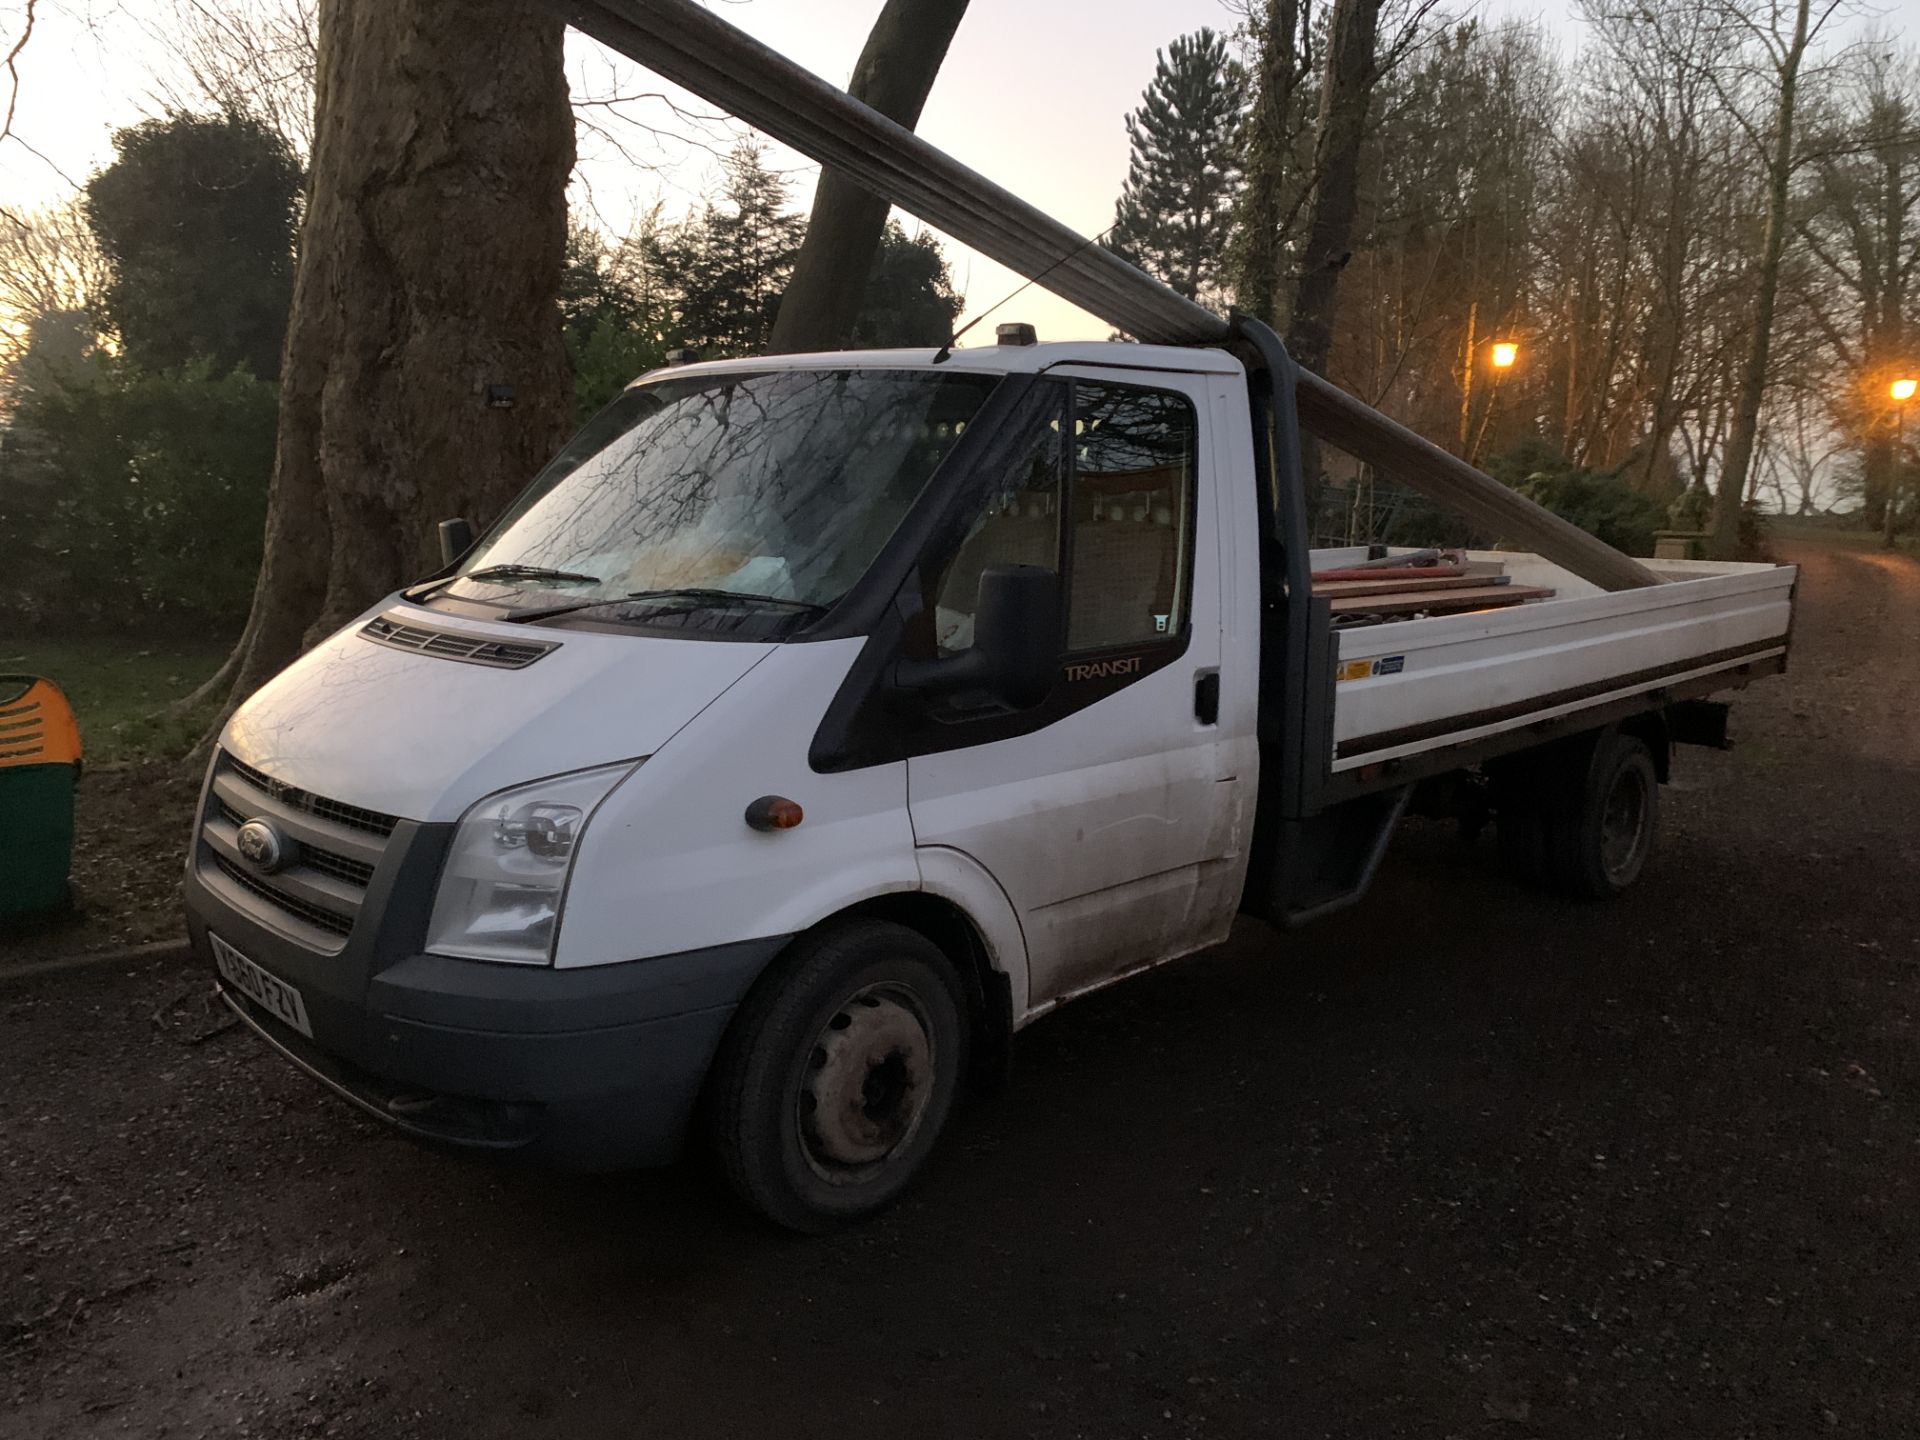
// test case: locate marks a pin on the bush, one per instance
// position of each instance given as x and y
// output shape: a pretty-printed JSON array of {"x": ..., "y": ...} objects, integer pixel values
[
  {"x": 140, "y": 494},
  {"x": 1598, "y": 501},
  {"x": 1421, "y": 523},
  {"x": 606, "y": 360}
]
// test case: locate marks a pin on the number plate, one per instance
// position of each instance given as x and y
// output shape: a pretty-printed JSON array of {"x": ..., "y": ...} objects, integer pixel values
[{"x": 277, "y": 997}]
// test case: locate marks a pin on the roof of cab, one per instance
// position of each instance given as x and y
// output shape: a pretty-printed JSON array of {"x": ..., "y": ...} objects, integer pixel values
[{"x": 994, "y": 359}]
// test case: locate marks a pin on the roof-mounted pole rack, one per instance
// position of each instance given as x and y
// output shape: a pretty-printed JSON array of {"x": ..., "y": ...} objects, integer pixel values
[{"x": 702, "y": 53}]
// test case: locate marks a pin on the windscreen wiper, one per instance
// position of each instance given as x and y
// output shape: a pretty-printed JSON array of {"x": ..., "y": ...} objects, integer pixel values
[
  {"x": 502, "y": 572},
  {"x": 693, "y": 595},
  {"x": 531, "y": 572},
  {"x": 706, "y": 595}
]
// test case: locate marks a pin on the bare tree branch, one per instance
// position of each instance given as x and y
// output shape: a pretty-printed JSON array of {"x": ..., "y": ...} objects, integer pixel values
[{"x": 13, "y": 69}]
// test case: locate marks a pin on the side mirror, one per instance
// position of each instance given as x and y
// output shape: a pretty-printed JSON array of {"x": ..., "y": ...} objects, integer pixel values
[
  {"x": 1016, "y": 642},
  {"x": 456, "y": 538}
]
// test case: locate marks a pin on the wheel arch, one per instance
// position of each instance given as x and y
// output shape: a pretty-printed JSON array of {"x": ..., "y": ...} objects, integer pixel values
[
  {"x": 1651, "y": 729},
  {"x": 989, "y": 988},
  {"x": 956, "y": 904},
  {"x": 955, "y": 933}
]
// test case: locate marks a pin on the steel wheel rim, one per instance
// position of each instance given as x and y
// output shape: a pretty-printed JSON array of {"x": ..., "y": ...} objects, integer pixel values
[
  {"x": 866, "y": 1083},
  {"x": 1623, "y": 824}
]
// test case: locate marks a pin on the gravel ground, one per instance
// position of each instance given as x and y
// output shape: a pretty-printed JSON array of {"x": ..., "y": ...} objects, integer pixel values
[{"x": 1648, "y": 1168}]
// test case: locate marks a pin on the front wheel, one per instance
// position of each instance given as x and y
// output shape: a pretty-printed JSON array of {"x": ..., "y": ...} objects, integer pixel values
[{"x": 838, "y": 1075}]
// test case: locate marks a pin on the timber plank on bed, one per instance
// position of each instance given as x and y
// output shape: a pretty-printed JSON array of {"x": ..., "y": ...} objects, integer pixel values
[
  {"x": 1336, "y": 588},
  {"x": 1480, "y": 597}
]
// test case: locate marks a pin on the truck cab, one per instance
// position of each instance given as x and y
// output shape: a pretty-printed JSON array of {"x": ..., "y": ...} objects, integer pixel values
[{"x": 811, "y": 724}]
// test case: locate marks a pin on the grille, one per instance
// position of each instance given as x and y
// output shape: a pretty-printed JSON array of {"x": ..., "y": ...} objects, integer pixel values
[
  {"x": 455, "y": 645},
  {"x": 341, "y": 867},
  {"x": 353, "y": 816},
  {"x": 355, "y": 872},
  {"x": 312, "y": 914},
  {"x": 337, "y": 849}
]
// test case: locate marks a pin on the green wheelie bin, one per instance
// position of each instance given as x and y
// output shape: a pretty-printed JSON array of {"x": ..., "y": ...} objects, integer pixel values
[{"x": 39, "y": 765}]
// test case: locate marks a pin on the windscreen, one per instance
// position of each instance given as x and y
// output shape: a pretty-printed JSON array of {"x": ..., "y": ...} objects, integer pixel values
[{"x": 779, "y": 484}]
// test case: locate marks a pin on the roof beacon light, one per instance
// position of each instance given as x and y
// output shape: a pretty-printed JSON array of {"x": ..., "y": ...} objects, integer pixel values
[{"x": 1015, "y": 332}]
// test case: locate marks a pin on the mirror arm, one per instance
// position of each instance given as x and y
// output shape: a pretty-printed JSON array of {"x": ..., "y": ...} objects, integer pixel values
[{"x": 950, "y": 673}]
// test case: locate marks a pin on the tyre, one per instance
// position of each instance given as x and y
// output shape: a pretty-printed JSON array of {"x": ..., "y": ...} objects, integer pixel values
[
  {"x": 838, "y": 1074},
  {"x": 1600, "y": 828}
]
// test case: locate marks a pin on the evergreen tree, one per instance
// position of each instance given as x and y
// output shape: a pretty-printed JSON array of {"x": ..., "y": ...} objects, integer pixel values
[
  {"x": 196, "y": 217},
  {"x": 909, "y": 298},
  {"x": 1175, "y": 214},
  {"x": 729, "y": 265},
  {"x": 595, "y": 287},
  {"x": 617, "y": 321},
  {"x": 720, "y": 275}
]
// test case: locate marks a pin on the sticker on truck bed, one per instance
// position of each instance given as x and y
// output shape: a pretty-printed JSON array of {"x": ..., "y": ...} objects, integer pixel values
[{"x": 1367, "y": 669}]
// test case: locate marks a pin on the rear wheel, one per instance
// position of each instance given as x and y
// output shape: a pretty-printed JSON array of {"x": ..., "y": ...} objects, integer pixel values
[
  {"x": 838, "y": 1075},
  {"x": 1600, "y": 836},
  {"x": 1580, "y": 817}
]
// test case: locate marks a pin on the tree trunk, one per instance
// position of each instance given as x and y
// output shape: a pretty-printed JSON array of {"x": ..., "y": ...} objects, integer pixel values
[
  {"x": 1344, "y": 97},
  {"x": 1466, "y": 377},
  {"x": 1889, "y": 337},
  {"x": 1257, "y": 261},
  {"x": 1672, "y": 322},
  {"x": 1890, "y": 507},
  {"x": 897, "y": 67},
  {"x": 1724, "y": 542},
  {"x": 1876, "y": 470},
  {"x": 1345, "y": 93},
  {"x": 424, "y": 373}
]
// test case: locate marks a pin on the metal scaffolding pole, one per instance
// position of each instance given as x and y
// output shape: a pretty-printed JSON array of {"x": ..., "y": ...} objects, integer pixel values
[{"x": 700, "y": 52}]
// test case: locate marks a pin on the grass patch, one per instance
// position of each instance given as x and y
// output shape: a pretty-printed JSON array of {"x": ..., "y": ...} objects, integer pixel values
[
  {"x": 120, "y": 686},
  {"x": 1824, "y": 530}
]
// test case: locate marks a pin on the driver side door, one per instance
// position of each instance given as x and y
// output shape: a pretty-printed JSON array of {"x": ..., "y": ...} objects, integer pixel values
[{"x": 1106, "y": 813}]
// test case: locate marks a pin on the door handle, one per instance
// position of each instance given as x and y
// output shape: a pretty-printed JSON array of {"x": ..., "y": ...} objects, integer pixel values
[{"x": 1206, "y": 697}]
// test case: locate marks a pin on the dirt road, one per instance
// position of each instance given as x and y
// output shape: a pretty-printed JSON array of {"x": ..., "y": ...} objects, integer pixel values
[{"x": 1646, "y": 1169}]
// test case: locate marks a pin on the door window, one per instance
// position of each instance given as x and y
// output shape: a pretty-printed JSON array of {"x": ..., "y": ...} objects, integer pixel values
[
  {"x": 1124, "y": 490},
  {"x": 1018, "y": 525},
  {"x": 1132, "y": 475}
]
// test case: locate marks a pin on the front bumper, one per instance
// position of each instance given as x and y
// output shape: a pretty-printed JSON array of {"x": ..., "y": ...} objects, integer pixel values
[{"x": 593, "y": 1069}]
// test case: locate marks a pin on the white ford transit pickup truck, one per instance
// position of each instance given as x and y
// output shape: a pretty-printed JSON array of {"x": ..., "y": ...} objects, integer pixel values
[{"x": 812, "y": 724}]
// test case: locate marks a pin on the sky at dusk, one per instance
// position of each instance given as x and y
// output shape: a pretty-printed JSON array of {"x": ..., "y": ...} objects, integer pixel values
[{"x": 1033, "y": 94}]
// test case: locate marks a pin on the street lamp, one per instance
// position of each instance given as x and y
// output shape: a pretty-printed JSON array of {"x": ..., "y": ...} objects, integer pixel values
[
  {"x": 1902, "y": 390},
  {"x": 1501, "y": 355}
]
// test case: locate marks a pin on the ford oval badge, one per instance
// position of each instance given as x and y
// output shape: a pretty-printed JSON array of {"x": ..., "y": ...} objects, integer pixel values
[{"x": 261, "y": 846}]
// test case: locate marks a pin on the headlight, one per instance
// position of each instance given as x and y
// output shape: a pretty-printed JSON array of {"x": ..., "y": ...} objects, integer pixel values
[{"x": 500, "y": 893}]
